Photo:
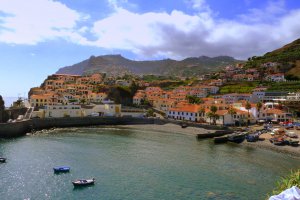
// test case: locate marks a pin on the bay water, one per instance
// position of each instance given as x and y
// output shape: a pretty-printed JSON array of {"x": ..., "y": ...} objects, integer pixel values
[{"x": 132, "y": 163}]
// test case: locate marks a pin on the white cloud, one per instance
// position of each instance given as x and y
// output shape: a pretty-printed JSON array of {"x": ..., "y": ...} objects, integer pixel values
[
  {"x": 179, "y": 35},
  {"x": 153, "y": 34},
  {"x": 33, "y": 21}
]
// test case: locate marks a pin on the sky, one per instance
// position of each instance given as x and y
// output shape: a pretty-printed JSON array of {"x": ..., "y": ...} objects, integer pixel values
[{"x": 37, "y": 37}]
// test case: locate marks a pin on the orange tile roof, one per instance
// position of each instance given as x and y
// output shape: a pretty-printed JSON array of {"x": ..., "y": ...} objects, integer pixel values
[
  {"x": 187, "y": 108},
  {"x": 274, "y": 111}
]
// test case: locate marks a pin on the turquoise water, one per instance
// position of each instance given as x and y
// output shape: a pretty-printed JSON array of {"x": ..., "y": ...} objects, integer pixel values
[{"x": 136, "y": 164}]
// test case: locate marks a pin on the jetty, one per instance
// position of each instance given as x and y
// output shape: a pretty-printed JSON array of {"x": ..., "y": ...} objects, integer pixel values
[{"x": 217, "y": 133}]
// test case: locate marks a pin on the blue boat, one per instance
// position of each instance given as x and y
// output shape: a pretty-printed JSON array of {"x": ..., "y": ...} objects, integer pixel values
[
  {"x": 252, "y": 137},
  {"x": 61, "y": 169}
]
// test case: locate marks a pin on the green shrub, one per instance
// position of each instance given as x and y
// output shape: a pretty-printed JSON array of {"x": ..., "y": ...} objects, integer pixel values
[{"x": 287, "y": 182}]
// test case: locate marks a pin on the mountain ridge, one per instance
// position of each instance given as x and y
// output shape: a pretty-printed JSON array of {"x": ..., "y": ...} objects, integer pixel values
[{"x": 116, "y": 64}]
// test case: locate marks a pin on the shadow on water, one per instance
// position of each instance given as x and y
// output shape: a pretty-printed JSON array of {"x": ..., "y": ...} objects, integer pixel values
[{"x": 85, "y": 187}]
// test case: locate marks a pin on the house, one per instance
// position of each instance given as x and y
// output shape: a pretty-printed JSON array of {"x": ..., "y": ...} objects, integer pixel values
[
  {"x": 278, "y": 77},
  {"x": 48, "y": 111},
  {"x": 274, "y": 96},
  {"x": 293, "y": 97},
  {"x": 276, "y": 114},
  {"x": 188, "y": 112},
  {"x": 122, "y": 82},
  {"x": 257, "y": 95},
  {"x": 97, "y": 97}
]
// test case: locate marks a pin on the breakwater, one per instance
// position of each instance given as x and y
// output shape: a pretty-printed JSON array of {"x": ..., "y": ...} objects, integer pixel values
[
  {"x": 14, "y": 129},
  {"x": 21, "y": 128}
]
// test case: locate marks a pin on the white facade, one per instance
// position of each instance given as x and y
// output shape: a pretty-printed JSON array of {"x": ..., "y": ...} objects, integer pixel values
[
  {"x": 184, "y": 115},
  {"x": 257, "y": 96},
  {"x": 61, "y": 111}
]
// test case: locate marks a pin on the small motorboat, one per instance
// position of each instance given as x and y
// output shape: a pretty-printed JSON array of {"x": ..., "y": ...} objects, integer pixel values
[
  {"x": 237, "y": 137},
  {"x": 2, "y": 160},
  {"x": 61, "y": 169},
  {"x": 184, "y": 125},
  {"x": 83, "y": 182},
  {"x": 252, "y": 137},
  {"x": 278, "y": 141},
  {"x": 292, "y": 142},
  {"x": 221, "y": 139}
]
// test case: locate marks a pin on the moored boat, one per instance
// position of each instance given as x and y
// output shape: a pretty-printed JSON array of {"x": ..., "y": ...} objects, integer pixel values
[
  {"x": 184, "y": 125},
  {"x": 252, "y": 137},
  {"x": 278, "y": 141},
  {"x": 237, "y": 137},
  {"x": 83, "y": 182},
  {"x": 293, "y": 143},
  {"x": 2, "y": 160},
  {"x": 221, "y": 139},
  {"x": 61, "y": 169}
]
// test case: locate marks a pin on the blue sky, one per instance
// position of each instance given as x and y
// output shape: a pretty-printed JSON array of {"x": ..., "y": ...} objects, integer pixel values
[{"x": 35, "y": 41}]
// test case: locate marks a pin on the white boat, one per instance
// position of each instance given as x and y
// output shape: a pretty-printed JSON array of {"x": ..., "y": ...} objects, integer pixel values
[{"x": 83, "y": 182}]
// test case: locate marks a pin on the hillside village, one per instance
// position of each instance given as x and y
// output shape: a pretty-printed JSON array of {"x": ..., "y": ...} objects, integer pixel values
[{"x": 63, "y": 95}]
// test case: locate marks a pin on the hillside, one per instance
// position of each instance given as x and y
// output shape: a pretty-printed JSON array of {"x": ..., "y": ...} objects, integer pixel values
[
  {"x": 288, "y": 56},
  {"x": 117, "y": 65}
]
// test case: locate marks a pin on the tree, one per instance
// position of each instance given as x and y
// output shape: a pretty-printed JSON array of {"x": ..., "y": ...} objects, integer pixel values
[
  {"x": 213, "y": 109},
  {"x": 150, "y": 113},
  {"x": 202, "y": 112},
  {"x": 193, "y": 99},
  {"x": 248, "y": 107},
  {"x": 3, "y": 113},
  {"x": 232, "y": 112},
  {"x": 133, "y": 88},
  {"x": 82, "y": 101},
  {"x": 19, "y": 102},
  {"x": 258, "y": 107},
  {"x": 212, "y": 113}
]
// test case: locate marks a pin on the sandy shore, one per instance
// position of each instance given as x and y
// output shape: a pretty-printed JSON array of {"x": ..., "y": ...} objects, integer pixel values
[
  {"x": 193, "y": 131},
  {"x": 171, "y": 128}
]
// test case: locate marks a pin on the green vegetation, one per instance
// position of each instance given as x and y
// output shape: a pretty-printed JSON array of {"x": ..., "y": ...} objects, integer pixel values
[
  {"x": 3, "y": 114},
  {"x": 151, "y": 78},
  {"x": 290, "y": 86},
  {"x": 287, "y": 182},
  {"x": 122, "y": 94},
  {"x": 288, "y": 57},
  {"x": 193, "y": 99},
  {"x": 238, "y": 87},
  {"x": 213, "y": 115},
  {"x": 169, "y": 84}
]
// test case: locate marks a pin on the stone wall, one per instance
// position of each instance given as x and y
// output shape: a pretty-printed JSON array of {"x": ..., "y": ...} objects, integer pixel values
[
  {"x": 21, "y": 128},
  {"x": 15, "y": 129},
  {"x": 38, "y": 124}
]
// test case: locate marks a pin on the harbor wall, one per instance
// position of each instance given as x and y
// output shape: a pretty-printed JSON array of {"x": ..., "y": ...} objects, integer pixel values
[
  {"x": 15, "y": 129},
  {"x": 191, "y": 124},
  {"x": 38, "y": 124},
  {"x": 21, "y": 128}
]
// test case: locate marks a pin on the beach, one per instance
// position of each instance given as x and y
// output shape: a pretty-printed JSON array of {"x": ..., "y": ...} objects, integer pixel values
[{"x": 193, "y": 131}]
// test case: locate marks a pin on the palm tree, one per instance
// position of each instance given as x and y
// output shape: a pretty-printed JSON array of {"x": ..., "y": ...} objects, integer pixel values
[
  {"x": 82, "y": 101},
  {"x": 202, "y": 112},
  {"x": 210, "y": 115},
  {"x": 213, "y": 110},
  {"x": 19, "y": 102},
  {"x": 258, "y": 107},
  {"x": 248, "y": 107},
  {"x": 232, "y": 112}
]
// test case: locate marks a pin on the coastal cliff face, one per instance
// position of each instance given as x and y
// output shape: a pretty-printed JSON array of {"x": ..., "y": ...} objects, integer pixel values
[{"x": 118, "y": 65}]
